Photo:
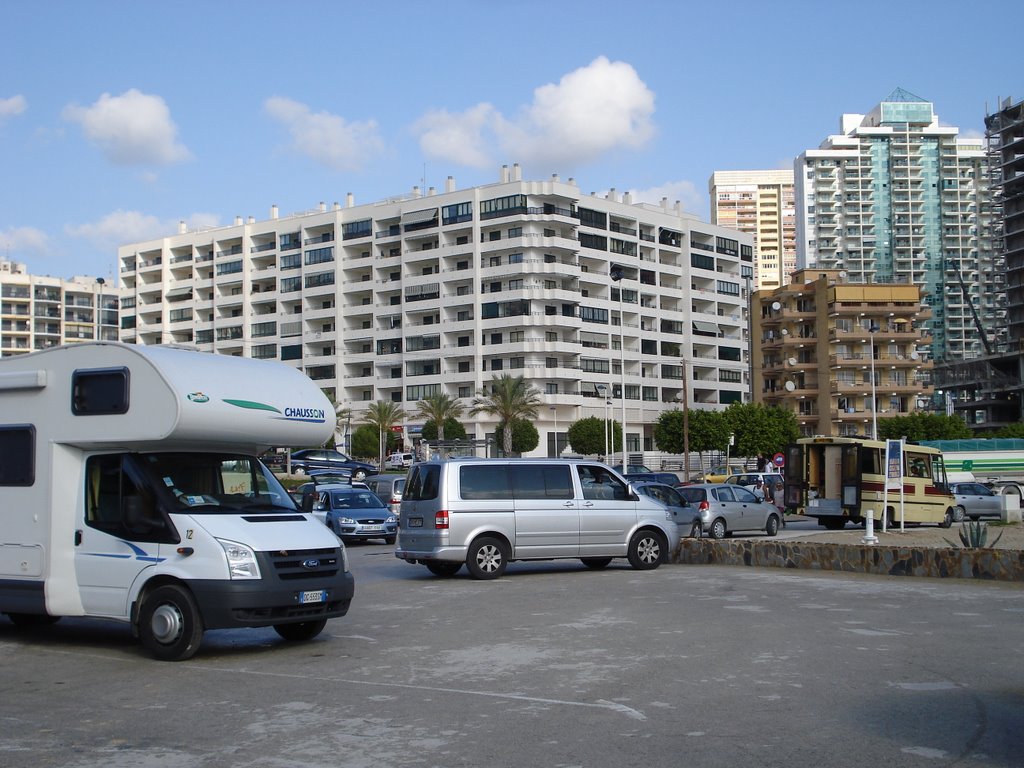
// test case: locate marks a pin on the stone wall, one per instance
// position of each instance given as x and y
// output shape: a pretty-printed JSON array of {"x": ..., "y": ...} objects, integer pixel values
[{"x": 997, "y": 564}]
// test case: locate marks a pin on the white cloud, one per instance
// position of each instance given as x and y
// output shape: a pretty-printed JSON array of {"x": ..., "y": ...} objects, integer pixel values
[
  {"x": 131, "y": 129},
  {"x": 18, "y": 240},
  {"x": 686, "y": 192},
  {"x": 591, "y": 111},
  {"x": 457, "y": 137},
  {"x": 120, "y": 227},
  {"x": 12, "y": 106},
  {"x": 326, "y": 138}
]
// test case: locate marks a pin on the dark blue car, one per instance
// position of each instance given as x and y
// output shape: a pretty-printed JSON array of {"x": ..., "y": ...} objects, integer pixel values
[{"x": 327, "y": 458}]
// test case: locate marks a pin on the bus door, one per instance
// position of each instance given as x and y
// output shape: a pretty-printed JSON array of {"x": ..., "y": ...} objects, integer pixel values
[
  {"x": 794, "y": 474},
  {"x": 850, "y": 476}
]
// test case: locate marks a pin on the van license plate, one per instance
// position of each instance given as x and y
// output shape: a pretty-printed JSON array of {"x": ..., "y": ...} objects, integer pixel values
[
  {"x": 312, "y": 596},
  {"x": 415, "y": 522}
]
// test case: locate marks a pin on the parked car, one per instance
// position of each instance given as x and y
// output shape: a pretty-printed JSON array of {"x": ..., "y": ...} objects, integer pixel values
[
  {"x": 400, "y": 461},
  {"x": 766, "y": 485},
  {"x": 975, "y": 501},
  {"x": 719, "y": 473},
  {"x": 356, "y": 514},
  {"x": 318, "y": 478},
  {"x": 666, "y": 478},
  {"x": 724, "y": 509},
  {"x": 388, "y": 489},
  {"x": 326, "y": 458},
  {"x": 684, "y": 513}
]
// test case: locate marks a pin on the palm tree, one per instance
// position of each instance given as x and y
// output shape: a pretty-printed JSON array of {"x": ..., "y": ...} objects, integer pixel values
[
  {"x": 383, "y": 415},
  {"x": 510, "y": 398},
  {"x": 343, "y": 420},
  {"x": 438, "y": 409}
]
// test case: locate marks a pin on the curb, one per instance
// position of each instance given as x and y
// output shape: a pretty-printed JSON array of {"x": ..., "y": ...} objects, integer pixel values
[{"x": 988, "y": 564}]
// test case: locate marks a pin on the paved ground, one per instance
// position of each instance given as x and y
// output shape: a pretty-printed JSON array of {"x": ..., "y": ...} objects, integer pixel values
[{"x": 1010, "y": 536}]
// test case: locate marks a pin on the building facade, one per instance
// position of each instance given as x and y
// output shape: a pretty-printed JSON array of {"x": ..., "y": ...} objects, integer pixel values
[
  {"x": 444, "y": 291},
  {"x": 841, "y": 355},
  {"x": 895, "y": 196},
  {"x": 759, "y": 203},
  {"x": 37, "y": 311}
]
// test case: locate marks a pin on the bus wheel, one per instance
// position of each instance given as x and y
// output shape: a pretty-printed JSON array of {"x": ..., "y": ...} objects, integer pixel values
[
  {"x": 833, "y": 523},
  {"x": 947, "y": 521}
]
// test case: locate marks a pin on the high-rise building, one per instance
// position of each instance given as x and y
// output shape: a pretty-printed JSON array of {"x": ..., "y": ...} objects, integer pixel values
[
  {"x": 840, "y": 355},
  {"x": 39, "y": 311},
  {"x": 895, "y": 196},
  {"x": 441, "y": 292},
  {"x": 759, "y": 203},
  {"x": 1005, "y": 130}
]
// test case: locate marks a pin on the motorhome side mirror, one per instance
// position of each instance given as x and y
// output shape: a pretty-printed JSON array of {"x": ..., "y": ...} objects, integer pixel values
[{"x": 308, "y": 499}]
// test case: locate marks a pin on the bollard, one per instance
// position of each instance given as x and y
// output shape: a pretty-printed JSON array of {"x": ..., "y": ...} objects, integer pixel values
[{"x": 869, "y": 528}]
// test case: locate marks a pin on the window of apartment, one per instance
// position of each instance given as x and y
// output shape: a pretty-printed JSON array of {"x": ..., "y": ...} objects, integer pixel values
[
  {"x": 597, "y": 242},
  {"x": 495, "y": 338},
  {"x": 457, "y": 213},
  {"x": 503, "y": 206},
  {"x": 551, "y": 362},
  {"x": 517, "y": 362},
  {"x": 289, "y": 284},
  {"x": 551, "y": 336},
  {"x": 515, "y": 258},
  {"x": 515, "y": 337},
  {"x": 264, "y": 351},
  {"x": 515, "y": 285},
  {"x": 320, "y": 278},
  {"x": 422, "y": 391},
  {"x": 594, "y": 315},
  {"x": 464, "y": 366},
  {"x": 465, "y": 392},
  {"x": 495, "y": 235},
  {"x": 291, "y": 352},
  {"x": 354, "y": 229},
  {"x": 497, "y": 364},
  {"x": 515, "y": 232},
  {"x": 592, "y": 218},
  {"x": 290, "y": 261},
  {"x": 320, "y": 255}
]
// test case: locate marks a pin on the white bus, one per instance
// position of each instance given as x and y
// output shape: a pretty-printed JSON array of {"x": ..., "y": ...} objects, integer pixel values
[{"x": 837, "y": 480}]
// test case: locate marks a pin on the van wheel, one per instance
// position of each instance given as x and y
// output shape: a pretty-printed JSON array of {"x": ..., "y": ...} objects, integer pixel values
[
  {"x": 596, "y": 563},
  {"x": 32, "y": 619},
  {"x": 772, "y": 526},
  {"x": 487, "y": 558},
  {"x": 443, "y": 568},
  {"x": 170, "y": 626},
  {"x": 646, "y": 550},
  {"x": 303, "y": 630},
  {"x": 717, "y": 529},
  {"x": 947, "y": 520}
]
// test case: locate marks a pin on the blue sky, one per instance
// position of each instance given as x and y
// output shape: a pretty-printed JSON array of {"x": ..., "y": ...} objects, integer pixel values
[{"x": 118, "y": 119}]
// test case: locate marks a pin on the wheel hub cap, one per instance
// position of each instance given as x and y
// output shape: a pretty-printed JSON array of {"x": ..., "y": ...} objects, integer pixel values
[{"x": 166, "y": 624}]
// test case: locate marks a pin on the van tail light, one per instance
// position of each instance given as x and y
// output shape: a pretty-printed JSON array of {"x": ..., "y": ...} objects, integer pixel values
[{"x": 441, "y": 519}]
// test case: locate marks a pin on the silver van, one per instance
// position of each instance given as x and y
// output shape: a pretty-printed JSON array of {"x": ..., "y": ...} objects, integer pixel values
[{"x": 488, "y": 512}]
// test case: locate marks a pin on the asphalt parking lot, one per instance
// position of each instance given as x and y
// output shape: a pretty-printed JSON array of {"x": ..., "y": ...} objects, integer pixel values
[{"x": 551, "y": 665}]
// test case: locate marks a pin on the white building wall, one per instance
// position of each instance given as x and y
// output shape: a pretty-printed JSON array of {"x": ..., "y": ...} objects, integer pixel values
[{"x": 387, "y": 301}]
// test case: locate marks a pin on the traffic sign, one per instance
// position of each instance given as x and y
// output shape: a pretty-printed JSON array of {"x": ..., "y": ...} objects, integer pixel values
[{"x": 778, "y": 460}]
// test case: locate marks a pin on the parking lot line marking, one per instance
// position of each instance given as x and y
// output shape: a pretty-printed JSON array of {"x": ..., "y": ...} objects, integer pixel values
[{"x": 629, "y": 712}]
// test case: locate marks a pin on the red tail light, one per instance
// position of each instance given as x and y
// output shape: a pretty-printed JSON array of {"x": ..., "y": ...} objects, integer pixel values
[
  {"x": 703, "y": 506},
  {"x": 441, "y": 519}
]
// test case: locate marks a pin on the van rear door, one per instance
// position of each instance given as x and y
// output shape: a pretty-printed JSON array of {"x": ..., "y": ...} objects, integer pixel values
[{"x": 547, "y": 513}]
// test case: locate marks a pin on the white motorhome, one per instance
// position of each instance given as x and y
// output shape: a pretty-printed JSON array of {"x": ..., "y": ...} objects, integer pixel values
[{"x": 130, "y": 490}]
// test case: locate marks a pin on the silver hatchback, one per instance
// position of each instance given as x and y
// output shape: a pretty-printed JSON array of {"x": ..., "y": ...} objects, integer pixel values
[
  {"x": 724, "y": 509},
  {"x": 975, "y": 501}
]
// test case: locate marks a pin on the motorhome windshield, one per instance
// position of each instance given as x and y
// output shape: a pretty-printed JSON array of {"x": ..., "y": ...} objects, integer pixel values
[{"x": 215, "y": 483}]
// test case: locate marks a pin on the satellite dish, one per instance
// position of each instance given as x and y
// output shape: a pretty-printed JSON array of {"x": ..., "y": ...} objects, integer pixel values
[
  {"x": 792, "y": 361},
  {"x": 776, "y": 306},
  {"x": 914, "y": 355},
  {"x": 842, "y": 275},
  {"x": 790, "y": 386},
  {"x": 785, "y": 332}
]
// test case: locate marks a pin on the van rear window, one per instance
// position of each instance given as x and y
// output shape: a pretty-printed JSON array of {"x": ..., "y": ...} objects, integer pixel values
[{"x": 423, "y": 483}]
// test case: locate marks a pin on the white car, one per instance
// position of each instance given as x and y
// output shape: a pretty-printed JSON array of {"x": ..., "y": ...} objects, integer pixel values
[{"x": 400, "y": 461}]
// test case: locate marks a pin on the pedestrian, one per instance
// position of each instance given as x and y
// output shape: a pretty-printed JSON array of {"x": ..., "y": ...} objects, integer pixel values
[{"x": 762, "y": 462}]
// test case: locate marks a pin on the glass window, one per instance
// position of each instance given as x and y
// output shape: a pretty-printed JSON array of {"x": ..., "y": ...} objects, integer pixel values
[
  {"x": 18, "y": 448},
  {"x": 484, "y": 482},
  {"x": 531, "y": 481},
  {"x": 99, "y": 392}
]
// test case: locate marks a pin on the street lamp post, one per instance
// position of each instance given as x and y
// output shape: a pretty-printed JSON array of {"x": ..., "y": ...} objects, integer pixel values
[
  {"x": 601, "y": 389},
  {"x": 554, "y": 414},
  {"x": 98, "y": 316},
  {"x": 872, "y": 330},
  {"x": 617, "y": 275}
]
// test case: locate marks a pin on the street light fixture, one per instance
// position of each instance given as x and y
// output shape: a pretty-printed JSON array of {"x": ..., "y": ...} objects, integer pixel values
[{"x": 616, "y": 273}]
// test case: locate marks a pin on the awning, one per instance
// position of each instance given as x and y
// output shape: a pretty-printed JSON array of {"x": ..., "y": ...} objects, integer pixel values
[
  {"x": 702, "y": 327},
  {"x": 184, "y": 292},
  {"x": 418, "y": 217}
]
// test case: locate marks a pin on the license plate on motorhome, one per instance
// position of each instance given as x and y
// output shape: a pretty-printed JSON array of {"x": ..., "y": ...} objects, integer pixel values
[{"x": 312, "y": 596}]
